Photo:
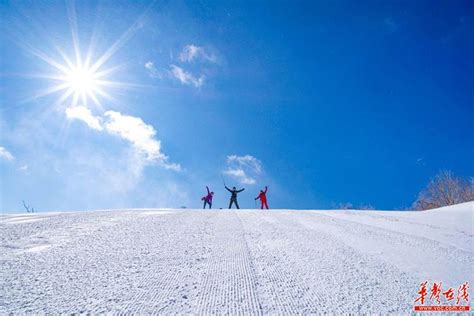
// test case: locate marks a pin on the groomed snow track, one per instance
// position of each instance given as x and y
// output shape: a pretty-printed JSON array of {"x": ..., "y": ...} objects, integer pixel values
[{"x": 225, "y": 262}]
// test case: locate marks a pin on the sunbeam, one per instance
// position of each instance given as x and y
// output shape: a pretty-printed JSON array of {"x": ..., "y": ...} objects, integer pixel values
[
  {"x": 80, "y": 82},
  {"x": 80, "y": 77}
]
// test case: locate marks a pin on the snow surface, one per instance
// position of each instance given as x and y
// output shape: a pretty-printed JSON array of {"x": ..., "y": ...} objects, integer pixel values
[{"x": 246, "y": 261}]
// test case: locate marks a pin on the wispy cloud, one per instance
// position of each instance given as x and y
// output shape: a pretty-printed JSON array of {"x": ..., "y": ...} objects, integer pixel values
[
  {"x": 420, "y": 161},
  {"x": 244, "y": 169},
  {"x": 391, "y": 24},
  {"x": 23, "y": 168},
  {"x": 133, "y": 129},
  {"x": 84, "y": 114},
  {"x": 5, "y": 154},
  {"x": 140, "y": 135},
  {"x": 186, "y": 77},
  {"x": 152, "y": 71},
  {"x": 203, "y": 64},
  {"x": 192, "y": 52}
]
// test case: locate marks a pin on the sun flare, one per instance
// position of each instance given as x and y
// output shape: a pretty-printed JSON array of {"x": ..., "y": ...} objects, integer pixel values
[
  {"x": 82, "y": 77},
  {"x": 81, "y": 80},
  {"x": 82, "y": 83}
]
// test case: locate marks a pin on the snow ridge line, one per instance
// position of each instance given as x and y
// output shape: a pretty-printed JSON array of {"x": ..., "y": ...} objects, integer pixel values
[
  {"x": 380, "y": 288},
  {"x": 228, "y": 285},
  {"x": 279, "y": 274},
  {"x": 418, "y": 242},
  {"x": 251, "y": 263}
]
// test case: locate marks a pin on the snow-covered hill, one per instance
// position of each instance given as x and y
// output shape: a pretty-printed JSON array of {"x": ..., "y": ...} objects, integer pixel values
[{"x": 247, "y": 261}]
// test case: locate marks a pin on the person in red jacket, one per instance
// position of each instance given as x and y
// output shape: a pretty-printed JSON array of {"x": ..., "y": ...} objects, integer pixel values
[{"x": 263, "y": 198}]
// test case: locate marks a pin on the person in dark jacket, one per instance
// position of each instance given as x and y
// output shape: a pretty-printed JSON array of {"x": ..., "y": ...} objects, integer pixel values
[
  {"x": 233, "y": 197},
  {"x": 263, "y": 198},
  {"x": 208, "y": 198}
]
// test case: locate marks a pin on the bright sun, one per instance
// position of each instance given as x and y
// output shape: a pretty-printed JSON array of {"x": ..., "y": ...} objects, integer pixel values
[{"x": 81, "y": 80}]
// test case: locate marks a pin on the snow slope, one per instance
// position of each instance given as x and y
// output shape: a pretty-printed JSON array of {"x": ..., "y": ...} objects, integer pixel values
[{"x": 247, "y": 261}]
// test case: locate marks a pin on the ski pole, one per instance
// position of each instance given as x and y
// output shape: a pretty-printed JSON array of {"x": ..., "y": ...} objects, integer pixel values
[{"x": 223, "y": 181}]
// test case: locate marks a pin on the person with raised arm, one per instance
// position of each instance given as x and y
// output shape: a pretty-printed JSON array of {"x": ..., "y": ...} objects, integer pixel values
[
  {"x": 263, "y": 198},
  {"x": 233, "y": 197},
  {"x": 208, "y": 198}
]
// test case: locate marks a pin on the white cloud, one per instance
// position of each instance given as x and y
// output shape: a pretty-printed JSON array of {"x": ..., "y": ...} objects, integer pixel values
[
  {"x": 139, "y": 134},
  {"x": 84, "y": 114},
  {"x": 23, "y": 168},
  {"x": 5, "y": 154},
  {"x": 149, "y": 65},
  {"x": 245, "y": 169},
  {"x": 240, "y": 175},
  {"x": 152, "y": 71},
  {"x": 185, "y": 77},
  {"x": 192, "y": 52}
]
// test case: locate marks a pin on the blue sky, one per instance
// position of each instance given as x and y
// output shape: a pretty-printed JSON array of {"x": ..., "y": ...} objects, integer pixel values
[{"x": 326, "y": 102}]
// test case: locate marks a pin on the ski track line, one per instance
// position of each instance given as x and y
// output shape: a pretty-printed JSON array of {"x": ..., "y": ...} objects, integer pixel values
[
  {"x": 251, "y": 265},
  {"x": 395, "y": 218},
  {"x": 98, "y": 243},
  {"x": 205, "y": 262},
  {"x": 427, "y": 249},
  {"x": 460, "y": 257},
  {"x": 347, "y": 279},
  {"x": 229, "y": 284},
  {"x": 283, "y": 291}
]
